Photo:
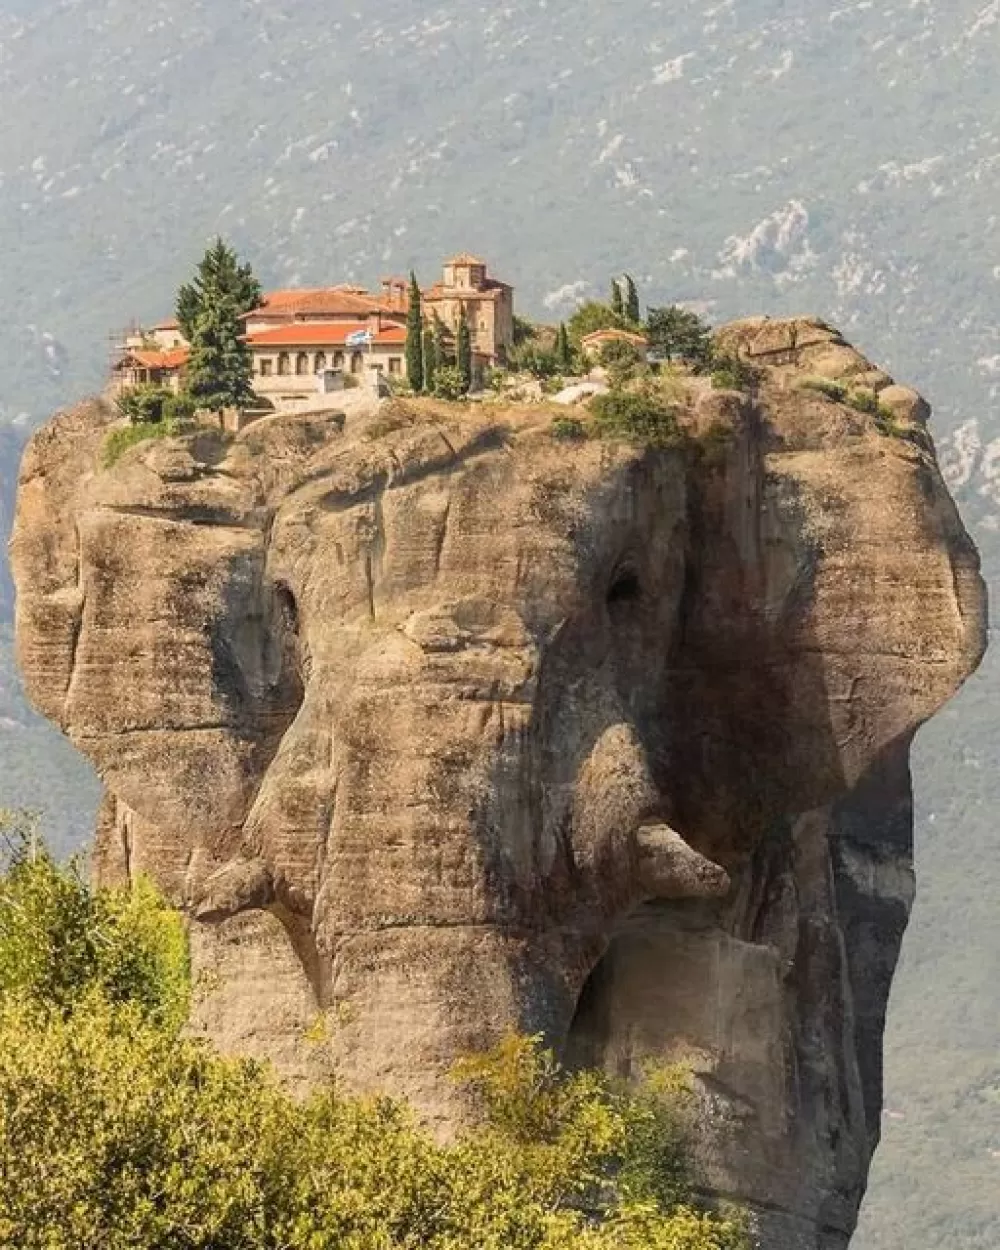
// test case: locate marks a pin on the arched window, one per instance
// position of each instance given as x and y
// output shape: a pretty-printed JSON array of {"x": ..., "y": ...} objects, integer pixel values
[
  {"x": 357, "y": 360},
  {"x": 283, "y": 364},
  {"x": 320, "y": 363},
  {"x": 301, "y": 363},
  {"x": 338, "y": 360}
]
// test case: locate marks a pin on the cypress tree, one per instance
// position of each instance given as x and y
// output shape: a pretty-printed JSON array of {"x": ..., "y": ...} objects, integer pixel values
[
  {"x": 442, "y": 352},
  {"x": 632, "y": 301},
  {"x": 415, "y": 339},
  {"x": 564, "y": 353},
  {"x": 463, "y": 351},
  {"x": 219, "y": 276},
  {"x": 617, "y": 303},
  {"x": 430, "y": 360}
]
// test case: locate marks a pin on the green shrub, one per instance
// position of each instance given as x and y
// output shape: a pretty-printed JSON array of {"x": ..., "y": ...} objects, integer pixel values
[
  {"x": 865, "y": 401},
  {"x": 642, "y": 415},
  {"x": 118, "y": 441},
  {"x": 729, "y": 373},
  {"x": 620, "y": 352},
  {"x": 568, "y": 429},
  {"x": 179, "y": 407},
  {"x": 887, "y": 424},
  {"x": 144, "y": 404},
  {"x": 60, "y": 940},
  {"x": 449, "y": 383},
  {"x": 539, "y": 361},
  {"x": 824, "y": 386}
]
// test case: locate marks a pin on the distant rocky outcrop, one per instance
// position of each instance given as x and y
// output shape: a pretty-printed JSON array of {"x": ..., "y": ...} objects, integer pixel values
[{"x": 448, "y": 727}]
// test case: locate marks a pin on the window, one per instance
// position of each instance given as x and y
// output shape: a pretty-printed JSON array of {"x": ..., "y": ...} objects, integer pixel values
[
  {"x": 320, "y": 363},
  {"x": 395, "y": 364},
  {"x": 338, "y": 360},
  {"x": 357, "y": 360},
  {"x": 283, "y": 365},
  {"x": 301, "y": 364},
  {"x": 266, "y": 368}
]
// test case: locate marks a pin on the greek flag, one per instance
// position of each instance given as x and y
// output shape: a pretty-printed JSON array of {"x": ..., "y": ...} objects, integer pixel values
[{"x": 360, "y": 338}]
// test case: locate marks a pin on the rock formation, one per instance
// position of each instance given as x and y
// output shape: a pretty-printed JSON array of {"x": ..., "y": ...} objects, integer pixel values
[{"x": 445, "y": 727}]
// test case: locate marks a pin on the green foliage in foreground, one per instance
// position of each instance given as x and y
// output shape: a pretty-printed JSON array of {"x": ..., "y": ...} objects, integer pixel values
[
  {"x": 121, "y": 439},
  {"x": 61, "y": 941},
  {"x": 118, "y": 1133},
  {"x": 449, "y": 383}
]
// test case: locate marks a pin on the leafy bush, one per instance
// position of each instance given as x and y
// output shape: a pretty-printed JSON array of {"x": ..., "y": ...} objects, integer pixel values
[
  {"x": 119, "y": 441},
  {"x": 824, "y": 386},
  {"x": 116, "y": 1131},
  {"x": 865, "y": 401},
  {"x": 144, "y": 404},
  {"x": 449, "y": 383},
  {"x": 568, "y": 429},
  {"x": 642, "y": 415},
  {"x": 61, "y": 941},
  {"x": 533, "y": 358},
  {"x": 729, "y": 373},
  {"x": 620, "y": 352},
  {"x": 179, "y": 407}
]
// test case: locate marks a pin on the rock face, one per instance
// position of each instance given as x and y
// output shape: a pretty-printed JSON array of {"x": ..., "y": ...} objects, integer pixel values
[{"x": 446, "y": 727}]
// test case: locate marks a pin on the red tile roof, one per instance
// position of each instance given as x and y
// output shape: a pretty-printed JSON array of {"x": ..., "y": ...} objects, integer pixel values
[
  {"x": 145, "y": 358},
  {"x": 318, "y": 302},
  {"x": 323, "y": 334},
  {"x": 170, "y": 324}
]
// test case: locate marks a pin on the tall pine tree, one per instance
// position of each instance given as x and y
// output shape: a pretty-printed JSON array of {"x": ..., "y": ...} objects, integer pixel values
[
  {"x": 617, "y": 303},
  {"x": 632, "y": 301},
  {"x": 219, "y": 276},
  {"x": 209, "y": 309},
  {"x": 219, "y": 372},
  {"x": 463, "y": 352},
  {"x": 415, "y": 339}
]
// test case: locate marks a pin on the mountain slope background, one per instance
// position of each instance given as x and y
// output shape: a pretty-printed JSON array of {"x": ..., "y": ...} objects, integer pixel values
[{"x": 760, "y": 156}]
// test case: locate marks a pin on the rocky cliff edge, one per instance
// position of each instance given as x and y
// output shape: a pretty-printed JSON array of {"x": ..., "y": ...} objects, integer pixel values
[{"x": 444, "y": 726}]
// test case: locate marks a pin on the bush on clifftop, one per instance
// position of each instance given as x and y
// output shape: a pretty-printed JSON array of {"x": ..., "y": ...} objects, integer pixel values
[{"x": 118, "y": 1132}]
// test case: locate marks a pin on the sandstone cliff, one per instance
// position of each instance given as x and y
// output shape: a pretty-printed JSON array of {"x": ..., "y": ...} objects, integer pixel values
[{"x": 446, "y": 727}]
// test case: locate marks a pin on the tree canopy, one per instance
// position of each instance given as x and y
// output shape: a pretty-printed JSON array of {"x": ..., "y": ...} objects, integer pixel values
[
  {"x": 118, "y": 1131},
  {"x": 593, "y": 316},
  {"x": 219, "y": 278},
  {"x": 679, "y": 334},
  {"x": 209, "y": 310}
]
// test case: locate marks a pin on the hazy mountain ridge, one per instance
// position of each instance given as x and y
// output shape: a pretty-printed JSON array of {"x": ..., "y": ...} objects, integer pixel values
[{"x": 749, "y": 157}]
